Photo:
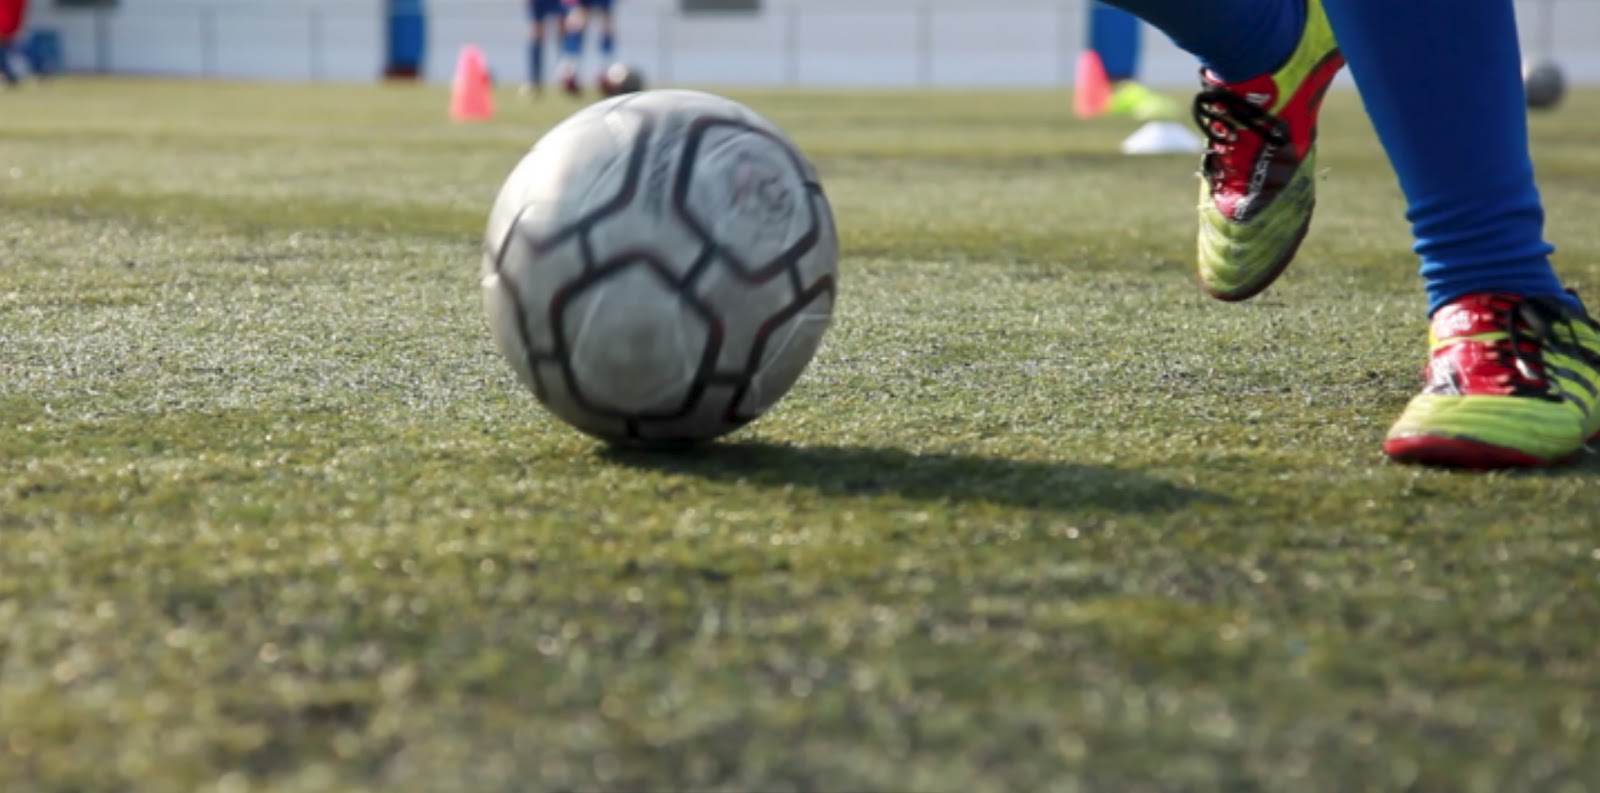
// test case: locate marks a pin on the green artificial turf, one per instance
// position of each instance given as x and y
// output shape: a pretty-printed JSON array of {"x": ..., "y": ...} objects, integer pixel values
[{"x": 275, "y": 515}]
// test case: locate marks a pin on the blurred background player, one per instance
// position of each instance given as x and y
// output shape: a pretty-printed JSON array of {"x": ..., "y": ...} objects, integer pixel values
[
  {"x": 1114, "y": 36},
  {"x": 11, "y": 15},
  {"x": 579, "y": 13},
  {"x": 544, "y": 17},
  {"x": 1513, "y": 370}
]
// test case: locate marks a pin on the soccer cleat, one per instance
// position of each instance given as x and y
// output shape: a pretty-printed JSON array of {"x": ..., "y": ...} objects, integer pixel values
[
  {"x": 1133, "y": 99},
  {"x": 1258, "y": 176},
  {"x": 569, "y": 83},
  {"x": 1511, "y": 382}
]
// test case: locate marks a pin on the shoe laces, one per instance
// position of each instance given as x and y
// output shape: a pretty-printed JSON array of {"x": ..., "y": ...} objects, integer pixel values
[
  {"x": 1532, "y": 324},
  {"x": 1221, "y": 114}
]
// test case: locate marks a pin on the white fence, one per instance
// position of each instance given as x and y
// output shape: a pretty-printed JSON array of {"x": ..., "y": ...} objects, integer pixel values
[{"x": 885, "y": 43}]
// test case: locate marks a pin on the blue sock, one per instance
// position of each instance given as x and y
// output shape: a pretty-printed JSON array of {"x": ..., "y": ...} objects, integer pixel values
[
  {"x": 1114, "y": 35},
  {"x": 572, "y": 45},
  {"x": 1236, "y": 39},
  {"x": 608, "y": 46},
  {"x": 1428, "y": 70},
  {"x": 536, "y": 61},
  {"x": 6, "y": 74}
]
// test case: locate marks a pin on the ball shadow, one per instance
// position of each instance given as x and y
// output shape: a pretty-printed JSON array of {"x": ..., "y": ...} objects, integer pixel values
[{"x": 861, "y": 471}]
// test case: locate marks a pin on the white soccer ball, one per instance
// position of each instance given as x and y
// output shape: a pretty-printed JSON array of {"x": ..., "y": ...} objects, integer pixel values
[{"x": 660, "y": 268}]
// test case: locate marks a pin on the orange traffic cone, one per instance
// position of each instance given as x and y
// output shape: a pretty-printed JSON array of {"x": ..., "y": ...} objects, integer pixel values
[
  {"x": 470, "y": 98},
  {"x": 1091, "y": 90}
]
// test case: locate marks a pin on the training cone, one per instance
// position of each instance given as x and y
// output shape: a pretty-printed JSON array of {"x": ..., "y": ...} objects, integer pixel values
[
  {"x": 470, "y": 98},
  {"x": 1091, "y": 90},
  {"x": 1163, "y": 137}
]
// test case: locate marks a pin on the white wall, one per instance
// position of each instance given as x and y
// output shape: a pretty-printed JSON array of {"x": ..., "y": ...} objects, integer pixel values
[
  {"x": 801, "y": 42},
  {"x": 273, "y": 39}
]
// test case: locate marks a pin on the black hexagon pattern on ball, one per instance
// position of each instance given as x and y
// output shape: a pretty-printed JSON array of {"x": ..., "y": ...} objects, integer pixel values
[
  {"x": 754, "y": 273},
  {"x": 823, "y": 287},
  {"x": 563, "y": 299},
  {"x": 620, "y": 201},
  {"x": 705, "y": 375}
]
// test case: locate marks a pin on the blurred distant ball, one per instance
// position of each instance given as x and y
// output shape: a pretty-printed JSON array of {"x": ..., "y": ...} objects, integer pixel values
[
  {"x": 620, "y": 78},
  {"x": 1544, "y": 84}
]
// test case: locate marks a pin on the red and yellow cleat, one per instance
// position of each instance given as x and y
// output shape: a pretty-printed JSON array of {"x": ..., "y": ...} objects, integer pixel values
[
  {"x": 1511, "y": 382},
  {"x": 1258, "y": 177}
]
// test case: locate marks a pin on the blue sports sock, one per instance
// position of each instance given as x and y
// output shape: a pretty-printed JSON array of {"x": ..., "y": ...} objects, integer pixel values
[
  {"x": 1236, "y": 39},
  {"x": 6, "y": 74},
  {"x": 572, "y": 44},
  {"x": 536, "y": 61},
  {"x": 1114, "y": 35},
  {"x": 608, "y": 45},
  {"x": 1427, "y": 71}
]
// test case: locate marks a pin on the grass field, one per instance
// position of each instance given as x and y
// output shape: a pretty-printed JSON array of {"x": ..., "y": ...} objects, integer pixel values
[{"x": 275, "y": 515}]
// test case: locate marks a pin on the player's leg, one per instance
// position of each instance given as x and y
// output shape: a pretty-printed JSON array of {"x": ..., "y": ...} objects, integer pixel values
[
  {"x": 1515, "y": 370},
  {"x": 11, "y": 23},
  {"x": 1235, "y": 39},
  {"x": 537, "y": 13},
  {"x": 574, "y": 22},
  {"x": 1114, "y": 35},
  {"x": 1267, "y": 66},
  {"x": 536, "y": 35},
  {"x": 605, "y": 23},
  {"x": 1471, "y": 197},
  {"x": 608, "y": 31},
  {"x": 7, "y": 75}
]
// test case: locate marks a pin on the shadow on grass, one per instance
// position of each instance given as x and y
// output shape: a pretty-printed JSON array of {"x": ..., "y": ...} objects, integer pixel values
[{"x": 861, "y": 471}]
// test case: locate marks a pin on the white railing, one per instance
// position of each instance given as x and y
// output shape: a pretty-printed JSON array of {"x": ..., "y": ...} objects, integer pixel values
[{"x": 821, "y": 42}]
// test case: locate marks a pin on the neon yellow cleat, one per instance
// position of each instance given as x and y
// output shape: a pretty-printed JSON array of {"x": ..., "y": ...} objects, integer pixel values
[
  {"x": 1258, "y": 177},
  {"x": 1511, "y": 382},
  {"x": 1131, "y": 98}
]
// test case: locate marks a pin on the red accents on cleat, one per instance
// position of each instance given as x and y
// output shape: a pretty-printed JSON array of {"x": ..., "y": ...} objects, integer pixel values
[
  {"x": 1458, "y": 453},
  {"x": 1462, "y": 362},
  {"x": 1254, "y": 150},
  {"x": 1511, "y": 382}
]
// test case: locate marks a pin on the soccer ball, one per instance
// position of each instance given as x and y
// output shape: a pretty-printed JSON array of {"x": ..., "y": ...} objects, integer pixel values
[
  {"x": 660, "y": 268},
  {"x": 619, "y": 79},
  {"x": 1544, "y": 83}
]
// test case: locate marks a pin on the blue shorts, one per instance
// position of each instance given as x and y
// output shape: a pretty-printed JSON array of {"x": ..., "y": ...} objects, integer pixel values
[
  {"x": 541, "y": 9},
  {"x": 598, "y": 5}
]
